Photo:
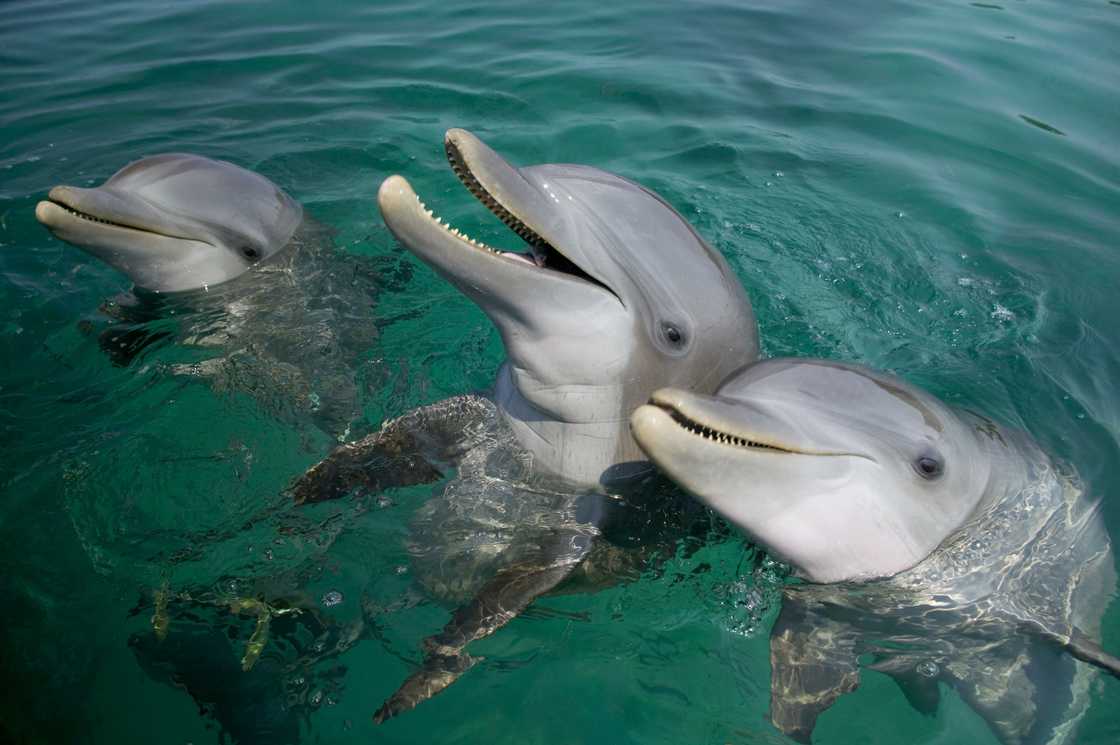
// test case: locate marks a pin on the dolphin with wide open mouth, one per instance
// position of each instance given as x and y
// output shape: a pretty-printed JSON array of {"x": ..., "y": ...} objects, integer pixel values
[{"x": 612, "y": 296}]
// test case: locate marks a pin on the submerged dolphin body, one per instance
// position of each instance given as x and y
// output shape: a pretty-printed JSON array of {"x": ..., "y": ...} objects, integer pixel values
[
  {"x": 228, "y": 264},
  {"x": 938, "y": 546},
  {"x": 617, "y": 296}
]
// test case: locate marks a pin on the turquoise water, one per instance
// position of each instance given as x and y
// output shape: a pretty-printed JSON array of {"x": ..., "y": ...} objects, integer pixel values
[{"x": 931, "y": 188}]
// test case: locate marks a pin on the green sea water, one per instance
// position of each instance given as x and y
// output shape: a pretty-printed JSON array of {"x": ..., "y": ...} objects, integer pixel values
[{"x": 927, "y": 187}]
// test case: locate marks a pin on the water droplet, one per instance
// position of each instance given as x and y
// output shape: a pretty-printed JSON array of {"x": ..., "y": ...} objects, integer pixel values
[
  {"x": 927, "y": 669},
  {"x": 332, "y": 598}
]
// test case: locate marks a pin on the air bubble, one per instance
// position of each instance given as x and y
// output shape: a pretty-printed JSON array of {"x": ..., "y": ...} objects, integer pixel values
[{"x": 927, "y": 669}]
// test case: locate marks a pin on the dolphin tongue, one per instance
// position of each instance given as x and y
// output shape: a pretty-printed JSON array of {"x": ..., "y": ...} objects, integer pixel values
[{"x": 531, "y": 259}]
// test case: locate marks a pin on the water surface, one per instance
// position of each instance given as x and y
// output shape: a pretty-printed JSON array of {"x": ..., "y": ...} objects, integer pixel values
[{"x": 930, "y": 188}]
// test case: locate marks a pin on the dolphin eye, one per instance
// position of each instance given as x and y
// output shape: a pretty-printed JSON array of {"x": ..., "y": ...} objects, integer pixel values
[
  {"x": 672, "y": 334},
  {"x": 928, "y": 467},
  {"x": 250, "y": 253}
]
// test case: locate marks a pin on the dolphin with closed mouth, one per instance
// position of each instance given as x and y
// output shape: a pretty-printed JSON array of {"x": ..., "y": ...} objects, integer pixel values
[
  {"x": 227, "y": 263},
  {"x": 175, "y": 221},
  {"x": 936, "y": 546},
  {"x": 615, "y": 296}
]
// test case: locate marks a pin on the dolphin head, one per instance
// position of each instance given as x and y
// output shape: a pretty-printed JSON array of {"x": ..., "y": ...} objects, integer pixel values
[
  {"x": 845, "y": 472},
  {"x": 616, "y": 296},
  {"x": 175, "y": 222}
]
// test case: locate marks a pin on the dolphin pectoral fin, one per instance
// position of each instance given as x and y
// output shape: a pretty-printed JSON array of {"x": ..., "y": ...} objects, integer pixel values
[
  {"x": 921, "y": 691},
  {"x": 1085, "y": 649},
  {"x": 500, "y": 601},
  {"x": 1079, "y": 645},
  {"x": 437, "y": 672},
  {"x": 408, "y": 450},
  {"x": 1020, "y": 686},
  {"x": 383, "y": 460},
  {"x": 812, "y": 663}
]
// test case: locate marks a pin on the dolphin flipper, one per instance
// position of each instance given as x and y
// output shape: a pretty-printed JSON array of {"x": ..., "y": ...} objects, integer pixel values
[
  {"x": 1012, "y": 686},
  {"x": 813, "y": 662},
  {"x": 919, "y": 688},
  {"x": 499, "y": 601},
  {"x": 411, "y": 449}
]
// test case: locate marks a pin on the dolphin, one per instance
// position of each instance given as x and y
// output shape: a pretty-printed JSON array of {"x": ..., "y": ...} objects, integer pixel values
[
  {"x": 175, "y": 221},
  {"x": 934, "y": 545},
  {"x": 224, "y": 261},
  {"x": 615, "y": 297}
]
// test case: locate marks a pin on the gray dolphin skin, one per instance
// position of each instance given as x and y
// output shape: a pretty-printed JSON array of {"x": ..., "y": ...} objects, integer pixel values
[
  {"x": 616, "y": 296},
  {"x": 175, "y": 221},
  {"x": 226, "y": 264},
  {"x": 937, "y": 546}
]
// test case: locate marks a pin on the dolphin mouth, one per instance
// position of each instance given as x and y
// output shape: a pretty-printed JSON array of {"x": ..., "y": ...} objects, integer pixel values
[
  {"x": 541, "y": 252},
  {"x": 735, "y": 435},
  {"x": 716, "y": 435},
  {"x": 508, "y": 196},
  {"x": 55, "y": 208}
]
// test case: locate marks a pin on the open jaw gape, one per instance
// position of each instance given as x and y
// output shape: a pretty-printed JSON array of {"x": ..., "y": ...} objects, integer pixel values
[{"x": 514, "y": 200}]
